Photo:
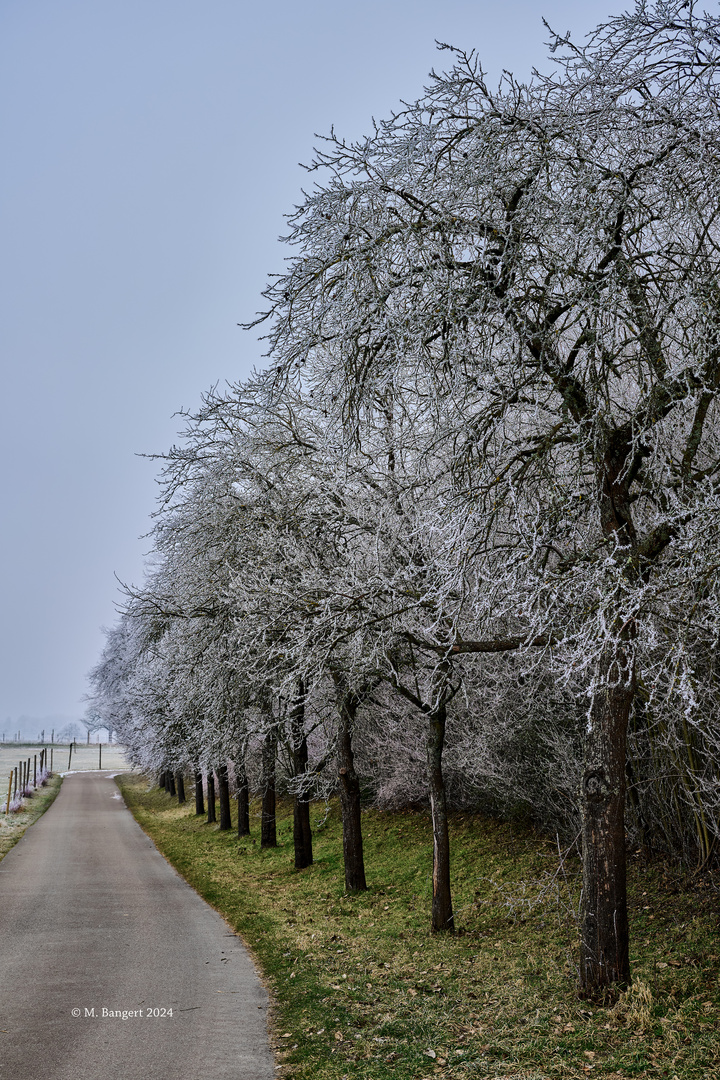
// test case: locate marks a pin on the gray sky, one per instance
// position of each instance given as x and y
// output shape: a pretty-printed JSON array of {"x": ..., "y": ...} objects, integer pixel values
[{"x": 149, "y": 152}]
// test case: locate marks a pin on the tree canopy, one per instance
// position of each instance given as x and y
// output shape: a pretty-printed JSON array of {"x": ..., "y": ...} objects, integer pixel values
[{"x": 472, "y": 503}]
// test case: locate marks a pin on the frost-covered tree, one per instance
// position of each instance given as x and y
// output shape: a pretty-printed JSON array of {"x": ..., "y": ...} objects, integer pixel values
[
  {"x": 545, "y": 258},
  {"x": 468, "y": 520}
]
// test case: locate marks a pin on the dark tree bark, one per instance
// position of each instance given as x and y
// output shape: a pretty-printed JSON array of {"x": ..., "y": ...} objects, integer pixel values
[
  {"x": 211, "y": 797},
  {"x": 170, "y": 783},
  {"x": 442, "y": 911},
  {"x": 604, "y": 948},
  {"x": 302, "y": 833},
  {"x": 224, "y": 797},
  {"x": 268, "y": 833},
  {"x": 243, "y": 798},
  {"x": 605, "y": 939},
  {"x": 348, "y": 703},
  {"x": 442, "y": 918},
  {"x": 199, "y": 800},
  {"x": 180, "y": 786},
  {"x": 161, "y": 780}
]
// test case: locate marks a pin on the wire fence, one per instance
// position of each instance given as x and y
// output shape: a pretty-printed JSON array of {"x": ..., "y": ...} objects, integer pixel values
[{"x": 29, "y": 766}]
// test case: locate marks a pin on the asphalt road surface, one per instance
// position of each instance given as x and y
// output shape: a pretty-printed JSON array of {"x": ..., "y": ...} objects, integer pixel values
[{"x": 95, "y": 923}]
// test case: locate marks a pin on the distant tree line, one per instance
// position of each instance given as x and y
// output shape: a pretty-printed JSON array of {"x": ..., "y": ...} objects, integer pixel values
[{"x": 459, "y": 542}]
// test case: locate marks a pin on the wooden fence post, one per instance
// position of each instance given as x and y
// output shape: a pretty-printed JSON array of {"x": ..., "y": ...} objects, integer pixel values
[
  {"x": 35, "y": 771},
  {"x": 7, "y": 808},
  {"x": 100, "y": 756}
]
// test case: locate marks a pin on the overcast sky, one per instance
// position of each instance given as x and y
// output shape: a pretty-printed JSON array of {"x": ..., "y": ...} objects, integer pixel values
[{"x": 149, "y": 151}]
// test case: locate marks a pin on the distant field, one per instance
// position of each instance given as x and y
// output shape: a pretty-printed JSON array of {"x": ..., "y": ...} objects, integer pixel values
[{"x": 84, "y": 759}]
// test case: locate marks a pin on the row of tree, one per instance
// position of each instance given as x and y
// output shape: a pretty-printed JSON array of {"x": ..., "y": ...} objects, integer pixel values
[{"x": 471, "y": 506}]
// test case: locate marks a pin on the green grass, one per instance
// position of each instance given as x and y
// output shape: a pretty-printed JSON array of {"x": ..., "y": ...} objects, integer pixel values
[
  {"x": 363, "y": 990},
  {"x": 12, "y": 826}
]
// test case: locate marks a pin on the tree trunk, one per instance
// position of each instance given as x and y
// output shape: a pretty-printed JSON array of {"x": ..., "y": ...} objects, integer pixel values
[
  {"x": 442, "y": 912},
  {"x": 604, "y": 957},
  {"x": 199, "y": 801},
  {"x": 243, "y": 799},
  {"x": 170, "y": 783},
  {"x": 350, "y": 794},
  {"x": 211, "y": 797},
  {"x": 224, "y": 797},
  {"x": 161, "y": 780},
  {"x": 180, "y": 785},
  {"x": 302, "y": 833},
  {"x": 268, "y": 834}
]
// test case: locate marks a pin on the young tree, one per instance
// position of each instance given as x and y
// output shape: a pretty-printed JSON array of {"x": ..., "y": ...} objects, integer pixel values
[
  {"x": 242, "y": 794},
  {"x": 348, "y": 703},
  {"x": 268, "y": 830},
  {"x": 211, "y": 812},
  {"x": 224, "y": 796},
  {"x": 199, "y": 794}
]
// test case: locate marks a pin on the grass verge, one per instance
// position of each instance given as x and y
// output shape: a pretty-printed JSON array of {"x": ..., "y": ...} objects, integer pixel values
[
  {"x": 363, "y": 990},
  {"x": 12, "y": 826}
]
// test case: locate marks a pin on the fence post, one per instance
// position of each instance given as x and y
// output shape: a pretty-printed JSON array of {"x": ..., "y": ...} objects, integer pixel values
[
  {"x": 35, "y": 771},
  {"x": 70, "y": 756},
  {"x": 7, "y": 808},
  {"x": 100, "y": 762},
  {"x": 52, "y": 754}
]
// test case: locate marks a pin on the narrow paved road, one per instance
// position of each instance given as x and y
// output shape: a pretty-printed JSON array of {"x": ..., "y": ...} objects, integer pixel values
[{"x": 93, "y": 918}]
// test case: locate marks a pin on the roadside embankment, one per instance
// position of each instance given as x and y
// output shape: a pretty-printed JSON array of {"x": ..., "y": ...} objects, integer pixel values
[{"x": 363, "y": 990}]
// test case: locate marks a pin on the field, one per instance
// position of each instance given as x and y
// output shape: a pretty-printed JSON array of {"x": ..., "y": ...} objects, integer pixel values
[
  {"x": 363, "y": 991},
  {"x": 84, "y": 758}
]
